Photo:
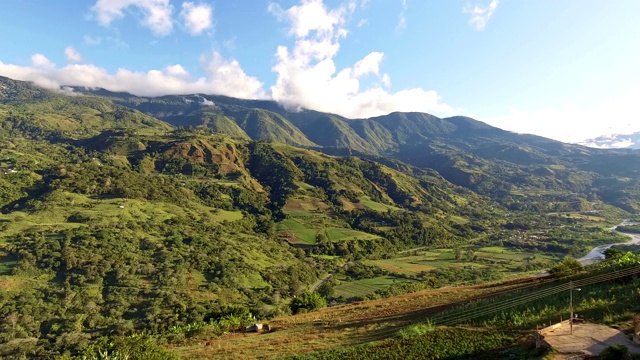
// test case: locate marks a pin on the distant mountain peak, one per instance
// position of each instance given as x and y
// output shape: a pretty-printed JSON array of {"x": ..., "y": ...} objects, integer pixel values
[{"x": 614, "y": 141}]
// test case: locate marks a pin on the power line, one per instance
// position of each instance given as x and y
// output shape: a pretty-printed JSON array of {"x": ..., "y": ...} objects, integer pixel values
[{"x": 483, "y": 310}]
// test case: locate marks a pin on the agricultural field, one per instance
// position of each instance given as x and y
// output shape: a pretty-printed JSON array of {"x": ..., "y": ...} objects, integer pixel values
[
  {"x": 365, "y": 202},
  {"x": 298, "y": 230},
  {"x": 507, "y": 260},
  {"x": 307, "y": 217}
]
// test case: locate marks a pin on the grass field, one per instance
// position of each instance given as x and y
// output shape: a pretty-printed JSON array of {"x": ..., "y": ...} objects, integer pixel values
[
  {"x": 376, "y": 206},
  {"x": 333, "y": 327},
  {"x": 63, "y": 205},
  {"x": 361, "y": 288}
]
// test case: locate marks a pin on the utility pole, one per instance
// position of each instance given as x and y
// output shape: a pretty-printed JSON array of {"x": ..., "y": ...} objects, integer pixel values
[{"x": 571, "y": 304}]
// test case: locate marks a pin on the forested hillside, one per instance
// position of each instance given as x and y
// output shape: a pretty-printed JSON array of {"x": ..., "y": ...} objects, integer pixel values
[
  {"x": 124, "y": 215},
  {"x": 466, "y": 152}
]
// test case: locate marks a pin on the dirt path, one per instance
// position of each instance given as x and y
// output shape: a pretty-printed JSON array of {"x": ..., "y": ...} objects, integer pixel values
[{"x": 317, "y": 284}]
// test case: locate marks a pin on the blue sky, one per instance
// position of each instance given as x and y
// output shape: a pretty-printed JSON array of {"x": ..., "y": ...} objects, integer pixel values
[{"x": 558, "y": 68}]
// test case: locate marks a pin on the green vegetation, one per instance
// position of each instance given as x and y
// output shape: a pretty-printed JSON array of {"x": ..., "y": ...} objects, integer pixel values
[
  {"x": 307, "y": 301},
  {"x": 120, "y": 232},
  {"x": 634, "y": 229},
  {"x": 443, "y": 343}
]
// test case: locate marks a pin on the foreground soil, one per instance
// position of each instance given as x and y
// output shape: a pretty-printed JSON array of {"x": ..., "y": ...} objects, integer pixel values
[{"x": 585, "y": 339}]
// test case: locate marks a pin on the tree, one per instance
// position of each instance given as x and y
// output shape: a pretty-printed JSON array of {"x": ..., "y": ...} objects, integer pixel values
[
  {"x": 567, "y": 266},
  {"x": 470, "y": 255},
  {"x": 307, "y": 301},
  {"x": 612, "y": 253},
  {"x": 326, "y": 290}
]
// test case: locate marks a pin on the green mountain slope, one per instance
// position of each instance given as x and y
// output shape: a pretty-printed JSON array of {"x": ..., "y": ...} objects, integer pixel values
[
  {"x": 27, "y": 109},
  {"x": 466, "y": 152}
]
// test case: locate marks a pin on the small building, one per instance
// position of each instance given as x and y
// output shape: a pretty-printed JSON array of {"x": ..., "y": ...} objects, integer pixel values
[{"x": 253, "y": 328}]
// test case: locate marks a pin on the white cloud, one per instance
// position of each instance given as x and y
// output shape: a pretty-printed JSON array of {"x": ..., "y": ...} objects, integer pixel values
[
  {"x": 156, "y": 14},
  {"x": 480, "y": 15},
  {"x": 41, "y": 61},
  {"x": 612, "y": 144},
  {"x": 572, "y": 124},
  {"x": 207, "y": 102},
  {"x": 370, "y": 64},
  {"x": 90, "y": 40},
  {"x": 307, "y": 76},
  {"x": 386, "y": 80},
  {"x": 176, "y": 70},
  {"x": 402, "y": 22},
  {"x": 224, "y": 77},
  {"x": 310, "y": 16},
  {"x": 109, "y": 40},
  {"x": 73, "y": 56},
  {"x": 229, "y": 79},
  {"x": 230, "y": 44},
  {"x": 197, "y": 18},
  {"x": 362, "y": 22},
  {"x": 402, "y": 18}
]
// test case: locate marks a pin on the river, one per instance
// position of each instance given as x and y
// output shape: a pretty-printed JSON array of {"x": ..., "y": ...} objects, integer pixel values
[{"x": 597, "y": 253}]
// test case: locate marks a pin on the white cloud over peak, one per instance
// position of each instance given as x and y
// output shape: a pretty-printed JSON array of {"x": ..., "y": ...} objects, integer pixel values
[
  {"x": 228, "y": 77},
  {"x": 480, "y": 15},
  {"x": 176, "y": 70},
  {"x": 197, "y": 18},
  {"x": 156, "y": 14},
  {"x": 224, "y": 77},
  {"x": 307, "y": 76},
  {"x": 73, "y": 56}
]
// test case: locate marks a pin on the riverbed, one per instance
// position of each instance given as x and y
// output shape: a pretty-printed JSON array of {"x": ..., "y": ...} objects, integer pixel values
[{"x": 597, "y": 253}]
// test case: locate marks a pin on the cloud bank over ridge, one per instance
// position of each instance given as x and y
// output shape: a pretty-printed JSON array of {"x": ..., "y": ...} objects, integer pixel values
[{"x": 306, "y": 74}]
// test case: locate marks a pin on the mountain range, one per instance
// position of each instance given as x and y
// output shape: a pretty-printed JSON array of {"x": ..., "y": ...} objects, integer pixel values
[{"x": 465, "y": 151}]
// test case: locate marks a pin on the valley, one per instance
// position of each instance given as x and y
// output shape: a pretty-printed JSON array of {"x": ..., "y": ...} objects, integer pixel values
[{"x": 156, "y": 226}]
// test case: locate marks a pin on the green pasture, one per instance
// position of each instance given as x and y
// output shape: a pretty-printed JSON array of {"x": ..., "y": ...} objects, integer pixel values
[
  {"x": 307, "y": 232},
  {"x": 62, "y": 207},
  {"x": 376, "y": 206}
]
